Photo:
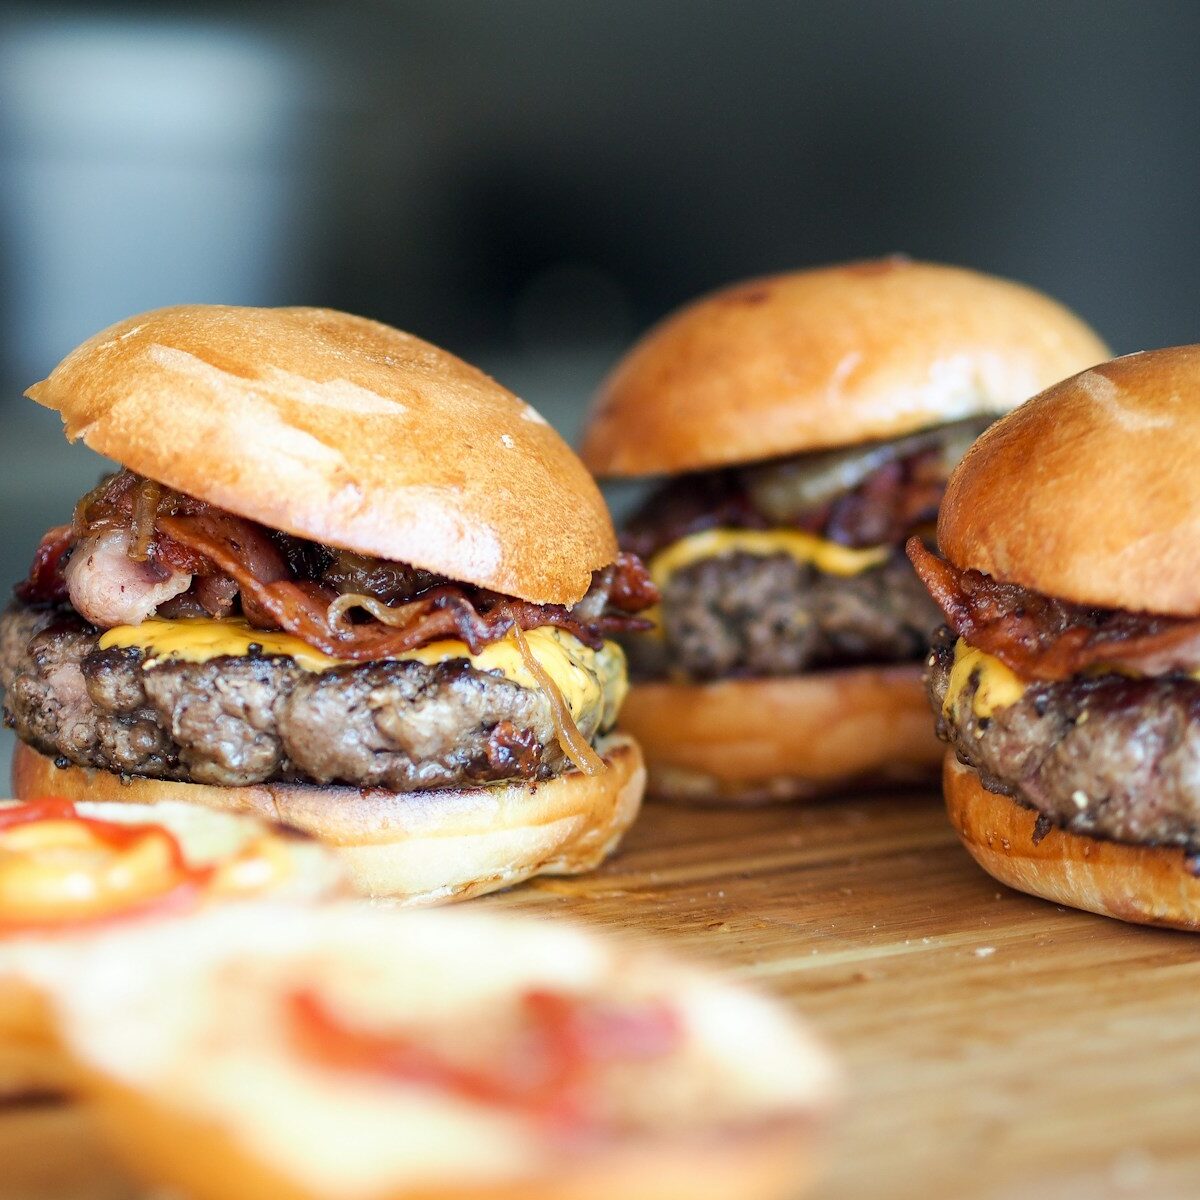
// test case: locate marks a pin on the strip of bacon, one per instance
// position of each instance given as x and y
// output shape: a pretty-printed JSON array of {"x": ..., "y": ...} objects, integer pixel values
[
  {"x": 1041, "y": 637},
  {"x": 231, "y": 558},
  {"x": 301, "y": 607},
  {"x": 46, "y": 583}
]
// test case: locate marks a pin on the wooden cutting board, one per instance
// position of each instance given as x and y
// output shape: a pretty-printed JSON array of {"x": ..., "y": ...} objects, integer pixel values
[{"x": 996, "y": 1045}]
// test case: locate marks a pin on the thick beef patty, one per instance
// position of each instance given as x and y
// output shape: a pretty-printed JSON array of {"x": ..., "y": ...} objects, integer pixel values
[
  {"x": 236, "y": 721},
  {"x": 1104, "y": 755},
  {"x": 752, "y": 615}
]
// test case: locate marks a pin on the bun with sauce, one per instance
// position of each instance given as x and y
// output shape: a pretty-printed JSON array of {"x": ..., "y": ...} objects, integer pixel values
[
  {"x": 1067, "y": 676},
  {"x": 807, "y": 424},
  {"x": 69, "y": 868},
  {"x": 277, "y": 1054},
  {"x": 342, "y": 580}
]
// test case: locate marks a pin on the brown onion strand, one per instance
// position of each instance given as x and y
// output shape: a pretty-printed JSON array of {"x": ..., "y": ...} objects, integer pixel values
[
  {"x": 145, "y": 513},
  {"x": 574, "y": 745},
  {"x": 394, "y": 616}
]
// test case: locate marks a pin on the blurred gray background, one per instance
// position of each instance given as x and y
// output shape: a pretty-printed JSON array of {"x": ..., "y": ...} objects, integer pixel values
[{"x": 530, "y": 183}]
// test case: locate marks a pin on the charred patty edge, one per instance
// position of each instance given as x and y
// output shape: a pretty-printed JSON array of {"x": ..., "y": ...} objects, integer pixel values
[
  {"x": 1104, "y": 756},
  {"x": 234, "y": 721}
]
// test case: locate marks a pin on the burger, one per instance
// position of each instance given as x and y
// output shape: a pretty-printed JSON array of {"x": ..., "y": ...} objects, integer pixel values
[
  {"x": 341, "y": 579},
  {"x": 1066, "y": 675},
  {"x": 805, "y": 425}
]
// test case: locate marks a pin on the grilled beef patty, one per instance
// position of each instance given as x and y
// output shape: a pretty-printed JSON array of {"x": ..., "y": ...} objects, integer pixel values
[
  {"x": 1104, "y": 755},
  {"x": 241, "y": 720},
  {"x": 750, "y": 615}
]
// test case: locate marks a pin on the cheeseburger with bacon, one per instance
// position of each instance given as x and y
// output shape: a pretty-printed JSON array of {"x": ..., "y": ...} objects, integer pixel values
[
  {"x": 342, "y": 579},
  {"x": 1065, "y": 678},
  {"x": 806, "y": 425}
]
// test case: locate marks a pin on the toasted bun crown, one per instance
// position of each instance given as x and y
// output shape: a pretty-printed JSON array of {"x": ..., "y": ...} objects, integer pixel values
[
  {"x": 336, "y": 428},
  {"x": 1090, "y": 492},
  {"x": 825, "y": 358}
]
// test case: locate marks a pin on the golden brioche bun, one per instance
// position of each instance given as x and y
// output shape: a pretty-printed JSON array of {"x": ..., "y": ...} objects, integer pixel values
[
  {"x": 425, "y": 847},
  {"x": 828, "y": 357},
  {"x": 196, "y": 1079},
  {"x": 340, "y": 429},
  {"x": 756, "y": 740},
  {"x": 1146, "y": 885},
  {"x": 1090, "y": 491},
  {"x": 50, "y": 1151}
]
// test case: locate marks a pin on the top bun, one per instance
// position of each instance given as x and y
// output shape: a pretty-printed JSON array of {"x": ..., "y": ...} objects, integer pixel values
[
  {"x": 1090, "y": 491},
  {"x": 340, "y": 429},
  {"x": 831, "y": 357}
]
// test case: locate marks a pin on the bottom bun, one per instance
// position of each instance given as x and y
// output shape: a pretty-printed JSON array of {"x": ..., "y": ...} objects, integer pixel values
[
  {"x": 789, "y": 738},
  {"x": 49, "y": 1152},
  {"x": 1147, "y": 885},
  {"x": 427, "y": 847}
]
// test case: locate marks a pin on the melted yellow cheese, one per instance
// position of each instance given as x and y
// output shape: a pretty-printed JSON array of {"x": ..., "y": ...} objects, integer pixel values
[
  {"x": 197, "y": 639},
  {"x": 827, "y": 556},
  {"x": 590, "y": 680},
  {"x": 998, "y": 686}
]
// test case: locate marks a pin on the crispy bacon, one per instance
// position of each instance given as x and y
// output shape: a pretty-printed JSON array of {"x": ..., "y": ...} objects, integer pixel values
[
  {"x": 46, "y": 583},
  {"x": 310, "y": 590},
  {"x": 1041, "y": 637}
]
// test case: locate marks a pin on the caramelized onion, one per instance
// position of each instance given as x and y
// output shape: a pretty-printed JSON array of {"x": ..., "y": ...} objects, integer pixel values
[
  {"x": 145, "y": 512},
  {"x": 1042, "y": 637},
  {"x": 574, "y": 745},
  {"x": 394, "y": 616}
]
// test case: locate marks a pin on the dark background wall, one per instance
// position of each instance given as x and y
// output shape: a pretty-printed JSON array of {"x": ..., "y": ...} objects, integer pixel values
[{"x": 531, "y": 182}]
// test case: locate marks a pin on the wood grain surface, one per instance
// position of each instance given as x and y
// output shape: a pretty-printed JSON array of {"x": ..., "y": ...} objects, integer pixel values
[{"x": 996, "y": 1045}]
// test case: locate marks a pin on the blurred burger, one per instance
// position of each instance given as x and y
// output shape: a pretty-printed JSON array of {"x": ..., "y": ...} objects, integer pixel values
[
  {"x": 342, "y": 579},
  {"x": 807, "y": 424},
  {"x": 1066, "y": 676}
]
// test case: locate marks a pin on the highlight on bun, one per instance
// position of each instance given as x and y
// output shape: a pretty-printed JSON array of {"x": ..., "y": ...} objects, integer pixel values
[
  {"x": 1059, "y": 497},
  {"x": 337, "y": 428},
  {"x": 1147, "y": 885},
  {"x": 828, "y": 357}
]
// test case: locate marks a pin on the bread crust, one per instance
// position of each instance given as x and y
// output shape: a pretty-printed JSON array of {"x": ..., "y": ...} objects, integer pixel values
[
  {"x": 748, "y": 1091},
  {"x": 1090, "y": 491},
  {"x": 426, "y": 847},
  {"x": 1145, "y": 885},
  {"x": 773, "y": 1162},
  {"x": 747, "y": 741},
  {"x": 828, "y": 357},
  {"x": 337, "y": 428}
]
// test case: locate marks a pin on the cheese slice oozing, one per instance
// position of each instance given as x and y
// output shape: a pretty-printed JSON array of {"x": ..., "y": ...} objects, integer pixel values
[
  {"x": 829, "y": 557},
  {"x": 998, "y": 686},
  {"x": 590, "y": 680}
]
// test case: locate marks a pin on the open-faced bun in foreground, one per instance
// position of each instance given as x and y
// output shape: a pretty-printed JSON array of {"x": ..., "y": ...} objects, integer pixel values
[
  {"x": 422, "y": 847},
  {"x": 70, "y": 868},
  {"x": 342, "y": 580},
  {"x": 344, "y": 1053},
  {"x": 1067, "y": 674},
  {"x": 803, "y": 426}
]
